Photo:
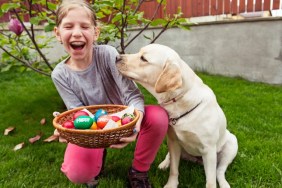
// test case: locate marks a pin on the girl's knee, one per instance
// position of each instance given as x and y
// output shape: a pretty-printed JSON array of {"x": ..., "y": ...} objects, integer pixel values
[
  {"x": 79, "y": 175},
  {"x": 81, "y": 165},
  {"x": 156, "y": 116},
  {"x": 156, "y": 113}
]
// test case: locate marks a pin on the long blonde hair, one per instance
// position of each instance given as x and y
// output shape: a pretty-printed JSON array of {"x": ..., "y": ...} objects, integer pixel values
[{"x": 68, "y": 5}]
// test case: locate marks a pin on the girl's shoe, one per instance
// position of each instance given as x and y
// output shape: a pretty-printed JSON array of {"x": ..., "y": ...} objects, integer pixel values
[{"x": 138, "y": 179}]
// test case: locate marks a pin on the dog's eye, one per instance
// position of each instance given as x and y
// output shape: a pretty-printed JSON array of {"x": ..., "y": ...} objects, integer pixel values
[{"x": 143, "y": 58}]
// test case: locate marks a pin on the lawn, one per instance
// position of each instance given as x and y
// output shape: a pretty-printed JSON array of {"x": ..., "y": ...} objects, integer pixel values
[{"x": 253, "y": 111}]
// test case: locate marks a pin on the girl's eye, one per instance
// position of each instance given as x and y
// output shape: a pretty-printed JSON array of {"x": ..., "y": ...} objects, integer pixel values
[
  {"x": 143, "y": 58},
  {"x": 85, "y": 27},
  {"x": 67, "y": 27}
]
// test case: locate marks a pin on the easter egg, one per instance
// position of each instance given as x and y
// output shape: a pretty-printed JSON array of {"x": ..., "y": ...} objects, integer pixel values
[
  {"x": 68, "y": 124},
  {"x": 83, "y": 122},
  {"x": 119, "y": 123},
  {"x": 99, "y": 113},
  {"x": 94, "y": 126},
  {"x": 129, "y": 115},
  {"x": 126, "y": 120},
  {"x": 103, "y": 120},
  {"x": 115, "y": 118},
  {"x": 79, "y": 113}
]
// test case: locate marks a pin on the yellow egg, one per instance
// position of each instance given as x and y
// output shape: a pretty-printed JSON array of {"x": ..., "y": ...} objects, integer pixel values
[
  {"x": 94, "y": 126},
  {"x": 119, "y": 123}
]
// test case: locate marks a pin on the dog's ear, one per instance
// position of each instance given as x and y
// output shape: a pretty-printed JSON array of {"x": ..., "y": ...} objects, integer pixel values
[{"x": 170, "y": 79}]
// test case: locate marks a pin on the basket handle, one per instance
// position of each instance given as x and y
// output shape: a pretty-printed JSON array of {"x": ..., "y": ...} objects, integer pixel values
[
  {"x": 55, "y": 114},
  {"x": 56, "y": 132}
]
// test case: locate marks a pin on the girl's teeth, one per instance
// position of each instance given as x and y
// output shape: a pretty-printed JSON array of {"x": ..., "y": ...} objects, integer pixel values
[{"x": 77, "y": 43}]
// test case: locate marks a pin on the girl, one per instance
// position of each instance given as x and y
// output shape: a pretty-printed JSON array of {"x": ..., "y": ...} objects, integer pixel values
[{"x": 89, "y": 77}]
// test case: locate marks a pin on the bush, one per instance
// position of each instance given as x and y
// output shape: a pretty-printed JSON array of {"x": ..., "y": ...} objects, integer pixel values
[{"x": 23, "y": 48}]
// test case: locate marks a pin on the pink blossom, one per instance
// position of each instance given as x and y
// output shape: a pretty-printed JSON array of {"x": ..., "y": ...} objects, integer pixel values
[{"x": 16, "y": 26}]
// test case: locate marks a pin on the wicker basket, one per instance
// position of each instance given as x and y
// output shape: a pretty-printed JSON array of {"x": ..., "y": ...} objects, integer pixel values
[{"x": 94, "y": 138}]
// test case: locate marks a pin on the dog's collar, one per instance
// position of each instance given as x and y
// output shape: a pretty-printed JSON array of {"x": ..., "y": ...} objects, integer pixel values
[
  {"x": 172, "y": 121},
  {"x": 172, "y": 100}
]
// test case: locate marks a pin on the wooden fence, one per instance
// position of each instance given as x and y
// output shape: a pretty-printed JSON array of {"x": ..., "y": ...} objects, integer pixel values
[{"x": 198, "y": 8}]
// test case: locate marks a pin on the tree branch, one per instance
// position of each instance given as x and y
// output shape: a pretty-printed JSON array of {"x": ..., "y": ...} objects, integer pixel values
[
  {"x": 160, "y": 33},
  {"x": 123, "y": 25},
  {"x": 33, "y": 40},
  {"x": 138, "y": 6},
  {"x": 146, "y": 26},
  {"x": 25, "y": 63}
]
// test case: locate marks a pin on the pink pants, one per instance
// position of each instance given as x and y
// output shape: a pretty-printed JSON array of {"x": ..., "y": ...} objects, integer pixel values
[{"x": 81, "y": 165}]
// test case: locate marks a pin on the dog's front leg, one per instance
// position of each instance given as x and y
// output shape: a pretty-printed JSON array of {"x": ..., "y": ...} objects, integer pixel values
[
  {"x": 175, "y": 153},
  {"x": 210, "y": 161}
]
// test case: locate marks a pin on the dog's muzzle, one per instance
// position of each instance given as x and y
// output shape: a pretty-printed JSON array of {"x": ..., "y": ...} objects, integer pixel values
[
  {"x": 118, "y": 59},
  {"x": 120, "y": 63}
]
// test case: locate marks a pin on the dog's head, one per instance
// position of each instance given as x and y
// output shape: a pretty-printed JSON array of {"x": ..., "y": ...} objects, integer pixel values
[{"x": 154, "y": 66}]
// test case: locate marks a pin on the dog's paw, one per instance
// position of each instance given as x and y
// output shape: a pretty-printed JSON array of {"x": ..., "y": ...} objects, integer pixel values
[
  {"x": 55, "y": 114},
  {"x": 168, "y": 186},
  {"x": 224, "y": 184},
  {"x": 163, "y": 165},
  {"x": 171, "y": 185}
]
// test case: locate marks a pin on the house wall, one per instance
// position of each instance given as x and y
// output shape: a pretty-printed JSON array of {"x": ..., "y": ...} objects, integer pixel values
[{"x": 248, "y": 49}]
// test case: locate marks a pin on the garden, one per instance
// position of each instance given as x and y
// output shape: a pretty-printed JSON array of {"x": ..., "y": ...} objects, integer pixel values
[{"x": 253, "y": 111}]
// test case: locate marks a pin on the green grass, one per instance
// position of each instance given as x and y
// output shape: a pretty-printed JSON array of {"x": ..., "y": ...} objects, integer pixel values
[{"x": 253, "y": 110}]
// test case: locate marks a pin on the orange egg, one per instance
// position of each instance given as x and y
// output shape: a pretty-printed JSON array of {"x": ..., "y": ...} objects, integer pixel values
[{"x": 103, "y": 120}]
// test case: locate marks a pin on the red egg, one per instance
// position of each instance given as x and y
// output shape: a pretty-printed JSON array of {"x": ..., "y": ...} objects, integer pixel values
[
  {"x": 103, "y": 120},
  {"x": 126, "y": 120},
  {"x": 79, "y": 113},
  {"x": 68, "y": 124},
  {"x": 115, "y": 118}
]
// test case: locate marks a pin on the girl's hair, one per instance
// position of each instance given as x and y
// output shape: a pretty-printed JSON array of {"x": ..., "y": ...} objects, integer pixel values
[{"x": 68, "y": 5}]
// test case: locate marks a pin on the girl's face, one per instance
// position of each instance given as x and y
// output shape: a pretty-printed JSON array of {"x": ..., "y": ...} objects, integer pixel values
[{"x": 77, "y": 33}]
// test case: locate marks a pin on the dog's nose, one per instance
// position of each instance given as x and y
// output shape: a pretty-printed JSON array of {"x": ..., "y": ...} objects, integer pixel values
[{"x": 118, "y": 58}]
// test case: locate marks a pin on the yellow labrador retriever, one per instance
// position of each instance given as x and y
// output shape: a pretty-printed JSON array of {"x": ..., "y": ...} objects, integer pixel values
[{"x": 197, "y": 123}]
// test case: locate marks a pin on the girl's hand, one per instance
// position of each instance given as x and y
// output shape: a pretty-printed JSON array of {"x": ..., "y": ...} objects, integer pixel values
[{"x": 125, "y": 141}]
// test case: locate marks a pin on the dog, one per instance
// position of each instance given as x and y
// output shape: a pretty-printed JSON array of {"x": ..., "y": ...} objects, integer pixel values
[{"x": 197, "y": 122}]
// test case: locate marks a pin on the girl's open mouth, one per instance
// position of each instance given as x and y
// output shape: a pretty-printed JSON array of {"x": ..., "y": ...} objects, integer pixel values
[{"x": 77, "y": 45}]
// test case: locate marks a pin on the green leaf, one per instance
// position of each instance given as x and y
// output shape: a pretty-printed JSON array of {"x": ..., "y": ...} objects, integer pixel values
[
  {"x": 51, "y": 6},
  {"x": 6, "y": 68},
  {"x": 146, "y": 37},
  {"x": 185, "y": 27},
  {"x": 158, "y": 22},
  {"x": 100, "y": 15},
  {"x": 182, "y": 20},
  {"x": 7, "y": 6},
  {"x": 35, "y": 20},
  {"x": 107, "y": 11},
  {"x": 5, "y": 56},
  {"x": 50, "y": 21},
  {"x": 49, "y": 27},
  {"x": 117, "y": 17},
  {"x": 22, "y": 69},
  {"x": 163, "y": 3}
]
